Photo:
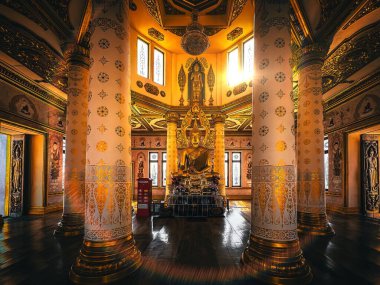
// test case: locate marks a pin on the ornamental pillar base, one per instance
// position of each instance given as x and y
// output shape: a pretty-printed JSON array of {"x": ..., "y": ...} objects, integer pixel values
[
  {"x": 105, "y": 262},
  {"x": 70, "y": 225},
  {"x": 276, "y": 262},
  {"x": 314, "y": 224}
]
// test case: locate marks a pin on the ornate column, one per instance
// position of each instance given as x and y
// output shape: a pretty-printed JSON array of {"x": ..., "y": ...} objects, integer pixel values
[
  {"x": 311, "y": 210},
  {"x": 171, "y": 148},
  {"x": 108, "y": 252},
  {"x": 72, "y": 220},
  {"x": 220, "y": 149},
  {"x": 273, "y": 253}
]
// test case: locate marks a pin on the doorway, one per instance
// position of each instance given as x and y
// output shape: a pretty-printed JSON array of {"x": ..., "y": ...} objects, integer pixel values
[{"x": 363, "y": 171}]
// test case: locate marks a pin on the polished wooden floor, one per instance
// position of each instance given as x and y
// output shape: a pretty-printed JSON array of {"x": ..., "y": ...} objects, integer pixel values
[{"x": 188, "y": 251}]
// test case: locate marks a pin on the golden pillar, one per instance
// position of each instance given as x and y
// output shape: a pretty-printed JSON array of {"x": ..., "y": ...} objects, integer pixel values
[
  {"x": 311, "y": 210},
  {"x": 108, "y": 252},
  {"x": 171, "y": 148},
  {"x": 273, "y": 253},
  {"x": 220, "y": 148},
  {"x": 72, "y": 220}
]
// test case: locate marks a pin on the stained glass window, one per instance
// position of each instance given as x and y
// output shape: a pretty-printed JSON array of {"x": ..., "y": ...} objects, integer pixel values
[
  {"x": 158, "y": 75},
  {"x": 236, "y": 169},
  {"x": 142, "y": 58},
  {"x": 226, "y": 167},
  {"x": 164, "y": 169},
  {"x": 248, "y": 57},
  {"x": 326, "y": 151},
  {"x": 153, "y": 167},
  {"x": 233, "y": 67}
]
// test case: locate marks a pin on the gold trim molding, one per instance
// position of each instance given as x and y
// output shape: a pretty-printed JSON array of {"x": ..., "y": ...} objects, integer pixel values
[{"x": 8, "y": 74}]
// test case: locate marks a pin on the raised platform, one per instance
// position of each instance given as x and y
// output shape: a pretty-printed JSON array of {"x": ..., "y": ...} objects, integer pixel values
[{"x": 196, "y": 205}]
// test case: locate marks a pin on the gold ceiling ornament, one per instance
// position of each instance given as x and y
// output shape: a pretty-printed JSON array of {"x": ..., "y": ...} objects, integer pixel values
[
  {"x": 195, "y": 41},
  {"x": 181, "y": 83},
  {"x": 211, "y": 83}
]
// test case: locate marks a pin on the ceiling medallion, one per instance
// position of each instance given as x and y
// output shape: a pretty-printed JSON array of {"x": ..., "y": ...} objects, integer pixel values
[{"x": 195, "y": 41}]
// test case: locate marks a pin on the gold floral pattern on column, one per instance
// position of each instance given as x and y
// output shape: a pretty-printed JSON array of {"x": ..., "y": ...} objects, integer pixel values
[
  {"x": 108, "y": 252},
  {"x": 273, "y": 253},
  {"x": 72, "y": 221},
  {"x": 310, "y": 135}
]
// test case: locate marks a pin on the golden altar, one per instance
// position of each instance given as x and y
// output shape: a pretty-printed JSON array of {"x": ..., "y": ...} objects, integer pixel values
[{"x": 194, "y": 187}]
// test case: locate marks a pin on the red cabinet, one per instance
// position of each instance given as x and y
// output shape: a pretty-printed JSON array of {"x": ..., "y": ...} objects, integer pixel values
[{"x": 144, "y": 196}]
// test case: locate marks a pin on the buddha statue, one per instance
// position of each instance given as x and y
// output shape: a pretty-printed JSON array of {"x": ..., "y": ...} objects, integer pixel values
[
  {"x": 195, "y": 158},
  {"x": 197, "y": 83}
]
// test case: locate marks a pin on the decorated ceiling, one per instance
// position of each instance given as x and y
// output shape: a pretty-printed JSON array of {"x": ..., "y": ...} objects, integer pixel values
[
  {"x": 149, "y": 114},
  {"x": 170, "y": 18},
  {"x": 36, "y": 36}
]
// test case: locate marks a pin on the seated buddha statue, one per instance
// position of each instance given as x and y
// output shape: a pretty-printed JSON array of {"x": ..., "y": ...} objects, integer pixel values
[{"x": 195, "y": 158}]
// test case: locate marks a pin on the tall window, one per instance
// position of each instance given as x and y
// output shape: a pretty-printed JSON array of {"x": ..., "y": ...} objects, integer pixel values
[
  {"x": 153, "y": 167},
  {"x": 158, "y": 75},
  {"x": 233, "y": 67},
  {"x": 142, "y": 58},
  {"x": 326, "y": 150},
  {"x": 248, "y": 58},
  {"x": 63, "y": 162},
  {"x": 164, "y": 169},
  {"x": 236, "y": 169},
  {"x": 226, "y": 168}
]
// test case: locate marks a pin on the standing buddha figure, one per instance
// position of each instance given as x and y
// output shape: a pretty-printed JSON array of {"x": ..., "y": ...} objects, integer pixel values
[{"x": 197, "y": 83}]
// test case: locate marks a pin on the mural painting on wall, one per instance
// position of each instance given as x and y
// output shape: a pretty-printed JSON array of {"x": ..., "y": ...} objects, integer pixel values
[
  {"x": 56, "y": 119},
  {"x": 367, "y": 106},
  {"x": 21, "y": 105},
  {"x": 336, "y": 161},
  {"x": 238, "y": 143},
  {"x": 55, "y": 163},
  {"x": 139, "y": 142},
  {"x": 141, "y": 159},
  {"x": 196, "y": 79},
  {"x": 370, "y": 173},
  {"x": 17, "y": 177},
  {"x": 249, "y": 169}
]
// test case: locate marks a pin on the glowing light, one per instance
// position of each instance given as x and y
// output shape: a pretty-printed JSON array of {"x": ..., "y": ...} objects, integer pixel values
[{"x": 233, "y": 74}]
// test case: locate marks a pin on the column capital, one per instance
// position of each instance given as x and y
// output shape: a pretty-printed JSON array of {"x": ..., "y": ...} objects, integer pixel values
[
  {"x": 172, "y": 117},
  {"x": 219, "y": 118},
  {"x": 79, "y": 55},
  {"x": 312, "y": 54}
]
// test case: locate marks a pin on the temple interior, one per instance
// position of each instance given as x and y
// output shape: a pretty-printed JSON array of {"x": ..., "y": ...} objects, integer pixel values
[{"x": 189, "y": 142}]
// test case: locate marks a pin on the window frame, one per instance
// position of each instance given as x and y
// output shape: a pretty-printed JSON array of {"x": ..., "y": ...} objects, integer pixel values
[
  {"x": 148, "y": 57},
  {"x": 243, "y": 48},
  {"x": 227, "y": 166},
  {"x": 326, "y": 151},
  {"x": 63, "y": 162},
  {"x": 236, "y": 48},
  {"x": 163, "y": 66},
  {"x": 150, "y": 168},
  {"x": 163, "y": 171},
  {"x": 236, "y": 161}
]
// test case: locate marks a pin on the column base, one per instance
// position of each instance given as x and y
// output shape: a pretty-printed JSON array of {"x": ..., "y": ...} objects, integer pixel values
[
  {"x": 70, "y": 225},
  {"x": 276, "y": 262},
  {"x": 314, "y": 224},
  {"x": 105, "y": 262}
]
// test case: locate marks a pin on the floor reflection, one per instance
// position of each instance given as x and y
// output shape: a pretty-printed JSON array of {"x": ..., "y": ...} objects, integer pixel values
[{"x": 189, "y": 251}]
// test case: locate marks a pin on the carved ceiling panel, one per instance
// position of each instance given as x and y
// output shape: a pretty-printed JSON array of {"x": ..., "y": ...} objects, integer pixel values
[
  {"x": 33, "y": 53},
  {"x": 149, "y": 114},
  {"x": 220, "y": 12}
]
